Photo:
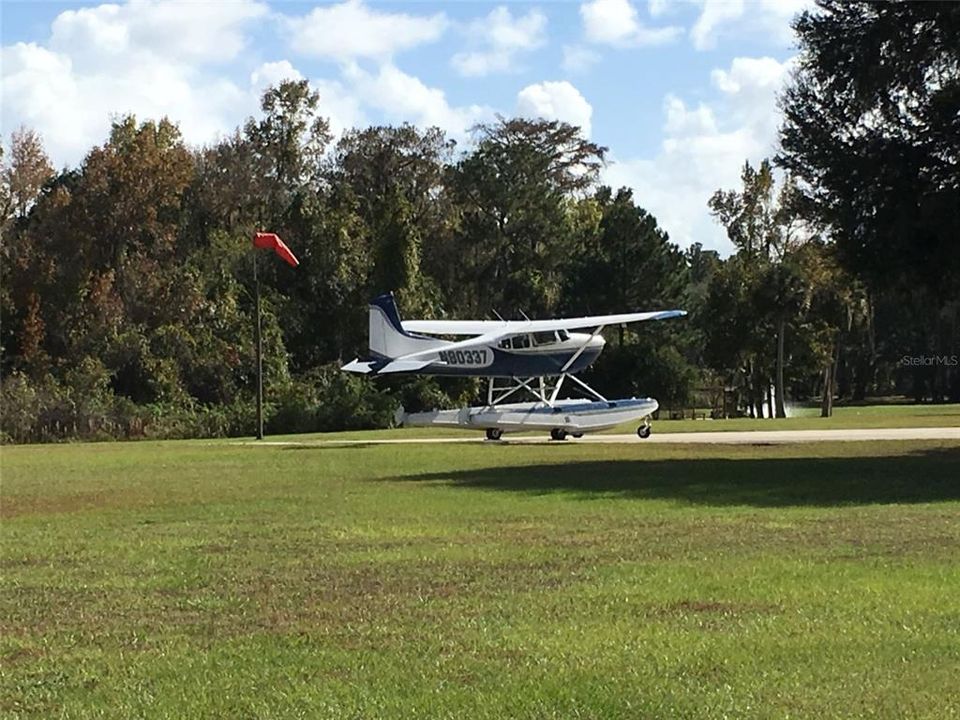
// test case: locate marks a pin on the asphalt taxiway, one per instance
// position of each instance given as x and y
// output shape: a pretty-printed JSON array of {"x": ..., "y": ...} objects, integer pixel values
[{"x": 733, "y": 437}]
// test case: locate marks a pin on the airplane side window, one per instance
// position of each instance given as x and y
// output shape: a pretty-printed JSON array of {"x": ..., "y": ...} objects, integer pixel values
[
  {"x": 563, "y": 335},
  {"x": 544, "y": 338},
  {"x": 521, "y": 341},
  {"x": 505, "y": 344}
]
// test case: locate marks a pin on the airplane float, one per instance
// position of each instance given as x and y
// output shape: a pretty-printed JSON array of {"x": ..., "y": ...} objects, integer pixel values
[{"x": 533, "y": 357}]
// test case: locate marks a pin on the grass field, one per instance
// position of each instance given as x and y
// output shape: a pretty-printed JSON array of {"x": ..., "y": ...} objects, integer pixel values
[{"x": 202, "y": 579}]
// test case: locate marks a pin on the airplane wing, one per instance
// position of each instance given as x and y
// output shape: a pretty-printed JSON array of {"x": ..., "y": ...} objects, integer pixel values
[
  {"x": 404, "y": 365},
  {"x": 456, "y": 327},
  {"x": 498, "y": 328},
  {"x": 517, "y": 327}
]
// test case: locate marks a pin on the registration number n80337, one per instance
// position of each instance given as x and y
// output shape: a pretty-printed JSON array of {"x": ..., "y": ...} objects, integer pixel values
[{"x": 464, "y": 357}]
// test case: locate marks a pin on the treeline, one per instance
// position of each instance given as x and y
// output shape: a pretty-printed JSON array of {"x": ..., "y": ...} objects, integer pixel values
[{"x": 126, "y": 289}]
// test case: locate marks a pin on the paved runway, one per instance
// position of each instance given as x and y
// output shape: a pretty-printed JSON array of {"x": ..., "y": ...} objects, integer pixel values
[{"x": 752, "y": 437}]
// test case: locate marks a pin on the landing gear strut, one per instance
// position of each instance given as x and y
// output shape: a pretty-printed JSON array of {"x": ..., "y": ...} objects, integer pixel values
[{"x": 494, "y": 433}]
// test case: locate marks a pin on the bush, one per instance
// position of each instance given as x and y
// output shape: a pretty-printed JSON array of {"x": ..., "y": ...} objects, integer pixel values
[
  {"x": 19, "y": 408},
  {"x": 644, "y": 369},
  {"x": 83, "y": 407},
  {"x": 350, "y": 402}
]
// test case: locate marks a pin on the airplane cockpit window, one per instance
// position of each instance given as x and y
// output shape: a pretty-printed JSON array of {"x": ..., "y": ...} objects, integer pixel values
[
  {"x": 505, "y": 344},
  {"x": 563, "y": 335},
  {"x": 544, "y": 338},
  {"x": 520, "y": 342}
]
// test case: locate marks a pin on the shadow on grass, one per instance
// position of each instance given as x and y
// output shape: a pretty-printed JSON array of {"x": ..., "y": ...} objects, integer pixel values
[{"x": 924, "y": 476}]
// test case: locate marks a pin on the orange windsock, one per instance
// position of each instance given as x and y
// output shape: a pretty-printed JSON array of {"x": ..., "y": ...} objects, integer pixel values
[{"x": 272, "y": 241}]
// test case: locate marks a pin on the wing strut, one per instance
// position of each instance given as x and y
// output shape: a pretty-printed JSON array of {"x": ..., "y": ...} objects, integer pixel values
[
  {"x": 543, "y": 391},
  {"x": 586, "y": 387},
  {"x": 583, "y": 347}
]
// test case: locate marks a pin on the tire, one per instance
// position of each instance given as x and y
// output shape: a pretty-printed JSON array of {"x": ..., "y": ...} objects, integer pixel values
[
  {"x": 577, "y": 435},
  {"x": 643, "y": 432},
  {"x": 558, "y": 434},
  {"x": 494, "y": 433}
]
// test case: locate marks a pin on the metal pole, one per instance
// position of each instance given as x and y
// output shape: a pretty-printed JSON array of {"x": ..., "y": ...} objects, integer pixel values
[{"x": 259, "y": 343}]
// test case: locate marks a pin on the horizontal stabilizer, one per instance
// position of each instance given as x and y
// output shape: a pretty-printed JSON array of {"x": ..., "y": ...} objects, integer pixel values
[
  {"x": 358, "y": 366},
  {"x": 402, "y": 366},
  {"x": 377, "y": 367}
]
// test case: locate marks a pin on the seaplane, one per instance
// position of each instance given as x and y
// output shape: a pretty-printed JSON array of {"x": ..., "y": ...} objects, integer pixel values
[{"x": 520, "y": 359}]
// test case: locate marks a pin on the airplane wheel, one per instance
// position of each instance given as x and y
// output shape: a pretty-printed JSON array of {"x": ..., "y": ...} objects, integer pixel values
[
  {"x": 577, "y": 435},
  {"x": 558, "y": 434},
  {"x": 494, "y": 433},
  {"x": 643, "y": 432}
]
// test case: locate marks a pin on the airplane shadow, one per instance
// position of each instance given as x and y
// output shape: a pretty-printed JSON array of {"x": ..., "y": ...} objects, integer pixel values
[{"x": 920, "y": 477}]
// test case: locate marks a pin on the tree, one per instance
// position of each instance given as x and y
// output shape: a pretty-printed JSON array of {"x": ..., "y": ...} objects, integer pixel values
[
  {"x": 832, "y": 303},
  {"x": 22, "y": 177},
  {"x": 513, "y": 191},
  {"x": 762, "y": 223},
  {"x": 872, "y": 132},
  {"x": 396, "y": 176},
  {"x": 289, "y": 140},
  {"x": 628, "y": 263},
  {"x": 25, "y": 174}
]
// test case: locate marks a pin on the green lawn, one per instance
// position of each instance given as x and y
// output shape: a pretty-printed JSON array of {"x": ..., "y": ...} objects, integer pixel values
[{"x": 201, "y": 579}]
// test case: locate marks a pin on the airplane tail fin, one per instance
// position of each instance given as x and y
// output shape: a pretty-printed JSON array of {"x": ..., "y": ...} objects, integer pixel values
[{"x": 388, "y": 339}]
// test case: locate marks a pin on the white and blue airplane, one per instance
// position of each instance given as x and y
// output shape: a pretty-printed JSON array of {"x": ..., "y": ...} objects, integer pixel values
[{"x": 531, "y": 355}]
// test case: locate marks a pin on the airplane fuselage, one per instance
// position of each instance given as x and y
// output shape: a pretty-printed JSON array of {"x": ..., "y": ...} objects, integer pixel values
[{"x": 527, "y": 355}]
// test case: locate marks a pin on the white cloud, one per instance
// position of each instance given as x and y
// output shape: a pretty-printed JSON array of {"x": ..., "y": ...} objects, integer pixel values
[
  {"x": 500, "y": 37},
  {"x": 750, "y": 87},
  {"x": 771, "y": 17},
  {"x": 555, "y": 101},
  {"x": 351, "y": 30},
  {"x": 713, "y": 14},
  {"x": 102, "y": 62},
  {"x": 340, "y": 106},
  {"x": 656, "y": 8},
  {"x": 70, "y": 103},
  {"x": 578, "y": 59},
  {"x": 680, "y": 121},
  {"x": 704, "y": 148},
  {"x": 615, "y": 22},
  {"x": 748, "y": 74},
  {"x": 273, "y": 73},
  {"x": 204, "y": 32},
  {"x": 405, "y": 98},
  {"x": 37, "y": 86},
  {"x": 148, "y": 58}
]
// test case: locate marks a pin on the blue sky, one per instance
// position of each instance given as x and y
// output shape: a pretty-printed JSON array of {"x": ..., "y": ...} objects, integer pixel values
[{"x": 682, "y": 93}]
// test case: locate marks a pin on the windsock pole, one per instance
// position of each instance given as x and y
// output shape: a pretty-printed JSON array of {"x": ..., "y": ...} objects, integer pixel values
[
  {"x": 258, "y": 339},
  {"x": 265, "y": 241}
]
